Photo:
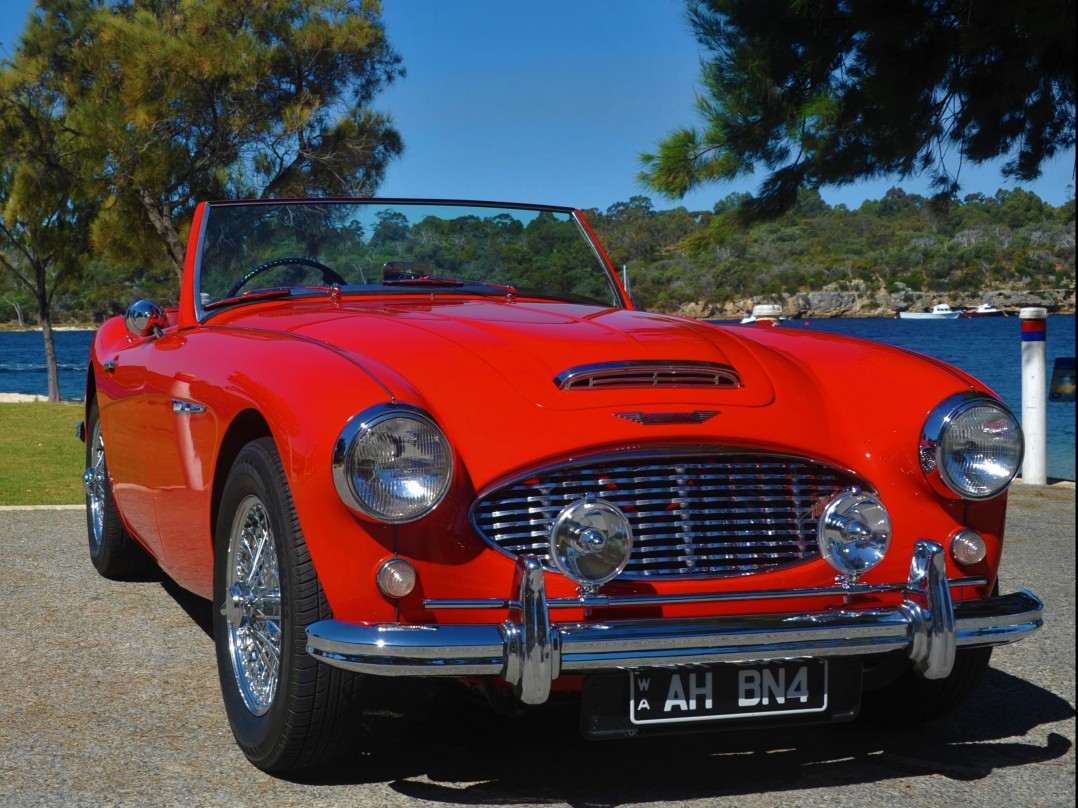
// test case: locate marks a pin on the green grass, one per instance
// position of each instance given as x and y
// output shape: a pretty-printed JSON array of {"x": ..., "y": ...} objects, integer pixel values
[{"x": 41, "y": 461}]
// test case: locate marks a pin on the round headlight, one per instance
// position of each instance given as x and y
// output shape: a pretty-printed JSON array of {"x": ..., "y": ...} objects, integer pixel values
[
  {"x": 972, "y": 445},
  {"x": 591, "y": 541},
  {"x": 853, "y": 532},
  {"x": 392, "y": 463}
]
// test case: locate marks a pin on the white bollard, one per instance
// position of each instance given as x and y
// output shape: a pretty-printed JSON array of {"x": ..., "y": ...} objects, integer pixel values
[{"x": 1034, "y": 398}]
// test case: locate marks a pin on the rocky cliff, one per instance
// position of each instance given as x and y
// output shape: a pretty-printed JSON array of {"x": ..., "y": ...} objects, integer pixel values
[{"x": 859, "y": 300}]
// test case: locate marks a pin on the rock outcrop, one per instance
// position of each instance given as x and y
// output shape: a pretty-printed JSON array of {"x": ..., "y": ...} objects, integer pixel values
[{"x": 860, "y": 300}]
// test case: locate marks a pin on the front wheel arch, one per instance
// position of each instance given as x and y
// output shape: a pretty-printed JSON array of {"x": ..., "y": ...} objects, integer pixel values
[{"x": 246, "y": 427}]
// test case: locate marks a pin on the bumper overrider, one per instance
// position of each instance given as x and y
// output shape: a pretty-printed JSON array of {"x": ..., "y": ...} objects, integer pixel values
[{"x": 530, "y": 651}]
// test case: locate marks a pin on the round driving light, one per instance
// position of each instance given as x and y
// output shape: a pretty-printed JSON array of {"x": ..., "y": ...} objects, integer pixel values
[
  {"x": 392, "y": 463},
  {"x": 972, "y": 445},
  {"x": 968, "y": 547},
  {"x": 853, "y": 532},
  {"x": 396, "y": 578},
  {"x": 591, "y": 541}
]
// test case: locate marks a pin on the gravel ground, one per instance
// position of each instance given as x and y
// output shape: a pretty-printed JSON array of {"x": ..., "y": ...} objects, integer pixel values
[{"x": 112, "y": 700}]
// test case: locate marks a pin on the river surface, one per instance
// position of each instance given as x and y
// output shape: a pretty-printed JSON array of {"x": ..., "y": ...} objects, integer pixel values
[{"x": 989, "y": 348}]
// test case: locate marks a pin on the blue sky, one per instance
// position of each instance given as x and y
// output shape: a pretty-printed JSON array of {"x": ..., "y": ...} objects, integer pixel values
[{"x": 553, "y": 102}]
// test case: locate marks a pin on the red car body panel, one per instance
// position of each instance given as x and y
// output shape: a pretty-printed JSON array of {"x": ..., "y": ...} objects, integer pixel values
[{"x": 484, "y": 368}]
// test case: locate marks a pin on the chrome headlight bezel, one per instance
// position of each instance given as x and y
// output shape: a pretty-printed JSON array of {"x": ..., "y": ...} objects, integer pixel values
[
  {"x": 942, "y": 460},
  {"x": 351, "y": 483}
]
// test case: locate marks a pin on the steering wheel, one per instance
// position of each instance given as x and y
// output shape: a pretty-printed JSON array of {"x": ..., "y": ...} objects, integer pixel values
[{"x": 329, "y": 276}]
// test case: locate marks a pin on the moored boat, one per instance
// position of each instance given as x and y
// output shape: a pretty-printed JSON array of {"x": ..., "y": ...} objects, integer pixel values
[
  {"x": 941, "y": 311},
  {"x": 984, "y": 310},
  {"x": 764, "y": 314}
]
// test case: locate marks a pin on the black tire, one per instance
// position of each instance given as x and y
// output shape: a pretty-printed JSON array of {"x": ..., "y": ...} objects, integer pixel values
[
  {"x": 113, "y": 552},
  {"x": 288, "y": 712},
  {"x": 911, "y": 699}
]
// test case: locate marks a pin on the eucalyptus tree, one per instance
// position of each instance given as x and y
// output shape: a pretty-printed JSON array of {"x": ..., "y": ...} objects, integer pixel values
[
  {"x": 182, "y": 100},
  {"x": 46, "y": 207},
  {"x": 814, "y": 93}
]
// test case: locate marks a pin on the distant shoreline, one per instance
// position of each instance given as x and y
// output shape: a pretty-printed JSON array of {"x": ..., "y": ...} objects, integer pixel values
[
  {"x": 30, "y": 398},
  {"x": 14, "y": 329}
]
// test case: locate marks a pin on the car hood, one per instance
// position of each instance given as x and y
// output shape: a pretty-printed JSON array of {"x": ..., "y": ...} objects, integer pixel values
[
  {"x": 486, "y": 370},
  {"x": 491, "y": 348}
]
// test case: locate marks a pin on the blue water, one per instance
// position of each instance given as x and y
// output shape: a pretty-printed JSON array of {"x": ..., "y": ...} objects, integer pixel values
[
  {"x": 988, "y": 348},
  {"x": 22, "y": 362}
]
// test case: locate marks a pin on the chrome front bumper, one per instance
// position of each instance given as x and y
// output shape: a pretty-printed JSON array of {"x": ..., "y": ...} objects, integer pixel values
[{"x": 529, "y": 651}]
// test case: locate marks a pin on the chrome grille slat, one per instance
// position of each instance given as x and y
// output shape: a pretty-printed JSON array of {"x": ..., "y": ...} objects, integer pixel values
[{"x": 699, "y": 514}]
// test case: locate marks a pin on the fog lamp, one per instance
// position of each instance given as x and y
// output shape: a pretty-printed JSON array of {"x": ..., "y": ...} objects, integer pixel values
[
  {"x": 396, "y": 578},
  {"x": 853, "y": 532},
  {"x": 968, "y": 547},
  {"x": 591, "y": 541}
]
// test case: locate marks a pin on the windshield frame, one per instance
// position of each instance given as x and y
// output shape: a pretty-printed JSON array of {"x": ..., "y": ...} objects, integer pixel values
[{"x": 204, "y": 308}]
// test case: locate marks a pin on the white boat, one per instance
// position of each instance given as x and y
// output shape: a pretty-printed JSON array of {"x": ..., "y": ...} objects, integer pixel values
[
  {"x": 984, "y": 310},
  {"x": 764, "y": 314},
  {"x": 941, "y": 311}
]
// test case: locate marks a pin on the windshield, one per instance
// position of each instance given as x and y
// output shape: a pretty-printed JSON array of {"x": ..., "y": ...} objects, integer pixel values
[{"x": 256, "y": 250}]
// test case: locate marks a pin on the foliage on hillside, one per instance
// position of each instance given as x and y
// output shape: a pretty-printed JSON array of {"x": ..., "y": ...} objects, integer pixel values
[{"x": 1012, "y": 240}]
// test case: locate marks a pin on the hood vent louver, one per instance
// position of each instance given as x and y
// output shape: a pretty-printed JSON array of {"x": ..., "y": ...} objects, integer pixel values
[{"x": 637, "y": 374}]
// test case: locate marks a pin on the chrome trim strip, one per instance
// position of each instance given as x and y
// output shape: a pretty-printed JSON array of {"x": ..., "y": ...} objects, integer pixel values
[
  {"x": 601, "y": 601},
  {"x": 180, "y": 407},
  {"x": 528, "y": 651}
]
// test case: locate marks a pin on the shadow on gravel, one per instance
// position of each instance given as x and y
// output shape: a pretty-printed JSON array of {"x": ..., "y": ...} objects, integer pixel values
[
  {"x": 198, "y": 609},
  {"x": 444, "y": 747}
]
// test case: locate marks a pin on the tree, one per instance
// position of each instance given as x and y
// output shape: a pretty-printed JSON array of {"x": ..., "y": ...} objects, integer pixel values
[
  {"x": 45, "y": 207},
  {"x": 829, "y": 92},
  {"x": 182, "y": 100}
]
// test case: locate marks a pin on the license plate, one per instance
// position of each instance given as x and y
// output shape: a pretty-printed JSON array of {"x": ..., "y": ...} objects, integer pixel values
[{"x": 707, "y": 693}]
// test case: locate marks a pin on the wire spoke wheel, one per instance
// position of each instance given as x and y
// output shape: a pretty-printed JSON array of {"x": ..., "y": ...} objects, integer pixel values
[
  {"x": 252, "y": 607},
  {"x": 95, "y": 478},
  {"x": 288, "y": 711}
]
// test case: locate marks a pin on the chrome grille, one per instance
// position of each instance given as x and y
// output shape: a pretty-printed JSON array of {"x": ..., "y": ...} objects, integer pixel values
[{"x": 700, "y": 515}]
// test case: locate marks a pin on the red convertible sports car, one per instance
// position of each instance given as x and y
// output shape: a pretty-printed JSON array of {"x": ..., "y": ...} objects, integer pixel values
[{"x": 438, "y": 439}]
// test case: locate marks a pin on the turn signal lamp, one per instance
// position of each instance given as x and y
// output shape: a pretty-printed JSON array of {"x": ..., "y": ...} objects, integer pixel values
[
  {"x": 968, "y": 547},
  {"x": 396, "y": 578}
]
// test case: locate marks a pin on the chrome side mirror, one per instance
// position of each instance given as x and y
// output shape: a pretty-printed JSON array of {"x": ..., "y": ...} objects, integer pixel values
[{"x": 144, "y": 317}]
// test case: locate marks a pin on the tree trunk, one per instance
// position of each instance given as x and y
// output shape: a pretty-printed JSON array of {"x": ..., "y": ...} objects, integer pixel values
[
  {"x": 160, "y": 216},
  {"x": 46, "y": 333},
  {"x": 50, "y": 345}
]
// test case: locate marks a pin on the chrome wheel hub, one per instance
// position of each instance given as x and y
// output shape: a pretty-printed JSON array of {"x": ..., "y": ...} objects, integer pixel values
[
  {"x": 252, "y": 605},
  {"x": 94, "y": 480}
]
